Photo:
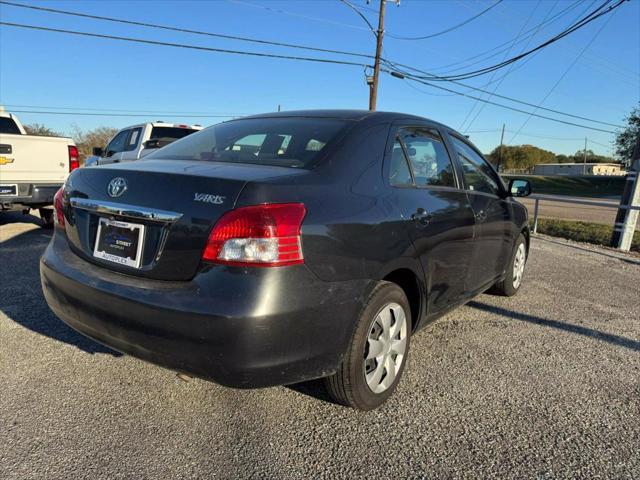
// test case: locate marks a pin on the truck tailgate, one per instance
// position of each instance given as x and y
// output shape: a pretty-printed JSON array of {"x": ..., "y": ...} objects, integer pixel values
[{"x": 30, "y": 158}]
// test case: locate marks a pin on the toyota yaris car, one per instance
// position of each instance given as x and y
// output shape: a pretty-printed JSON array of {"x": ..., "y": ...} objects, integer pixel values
[{"x": 284, "y": 247}]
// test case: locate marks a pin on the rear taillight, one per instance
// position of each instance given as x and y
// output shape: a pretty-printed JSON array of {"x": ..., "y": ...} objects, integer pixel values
[
  {"x": 74, "y": 162},
  {"x": 261, "y": 235},
  {"x": 58, "y": 216}
]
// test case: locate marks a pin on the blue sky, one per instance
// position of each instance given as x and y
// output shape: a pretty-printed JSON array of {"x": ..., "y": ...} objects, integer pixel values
[{"x": 42, "y": 69}]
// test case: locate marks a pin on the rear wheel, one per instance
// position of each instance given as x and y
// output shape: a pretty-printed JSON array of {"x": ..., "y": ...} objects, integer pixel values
[
  {"x": 377, "y": 354},
  {"x": 46, "y": 215},
  {"x": 515, "y": 271}
]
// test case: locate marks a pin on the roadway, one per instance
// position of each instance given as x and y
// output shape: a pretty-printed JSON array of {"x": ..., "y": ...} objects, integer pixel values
[{"x": 568, "y": 211}]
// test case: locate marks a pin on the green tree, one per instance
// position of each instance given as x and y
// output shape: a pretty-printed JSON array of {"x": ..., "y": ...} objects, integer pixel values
[
  {"x": 42, "y": 130},
  {"x": 86, "y": 140},
  {"x": 520, "y": 157},
  {"x": 626, "y": 139}
]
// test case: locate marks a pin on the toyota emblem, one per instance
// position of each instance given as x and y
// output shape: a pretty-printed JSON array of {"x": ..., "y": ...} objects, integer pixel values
[{"x": 117, "y": 187}]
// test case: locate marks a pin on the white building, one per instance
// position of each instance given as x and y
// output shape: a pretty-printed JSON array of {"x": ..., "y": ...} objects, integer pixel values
[{"x": 579, "y": 169}]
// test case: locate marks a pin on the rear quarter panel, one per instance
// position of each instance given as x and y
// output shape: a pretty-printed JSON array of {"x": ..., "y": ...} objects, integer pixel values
[{"x": 352, "y": 229}]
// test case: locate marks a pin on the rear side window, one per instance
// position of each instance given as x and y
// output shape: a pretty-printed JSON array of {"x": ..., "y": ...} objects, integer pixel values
[
  {"x": 134, "y": 138},
  {"x": 478, "y": 175},
  {"x": 8, "y": 126},
  {"x": 289, "y": 142},
  {"x": 399, "y": 173},
  {"x": 428, "y": 157},
  {"x": 170, "y": 133}
]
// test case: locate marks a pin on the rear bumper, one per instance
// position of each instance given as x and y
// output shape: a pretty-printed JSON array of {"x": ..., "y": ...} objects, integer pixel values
[
  {"x": 30, "y": 196},
  {"x": 239, "y": 327}
]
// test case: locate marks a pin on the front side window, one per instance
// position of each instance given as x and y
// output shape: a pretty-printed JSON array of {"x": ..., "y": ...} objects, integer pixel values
[
  {"x": 118, "y": 143},
  {"x": 478, "y": 175},
  {"x": 428, "y": 157},
  {"x": 288, "y": 142}
]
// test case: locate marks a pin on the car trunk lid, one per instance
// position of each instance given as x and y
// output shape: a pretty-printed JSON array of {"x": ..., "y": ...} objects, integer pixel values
[{"x": 153, "y": 216}]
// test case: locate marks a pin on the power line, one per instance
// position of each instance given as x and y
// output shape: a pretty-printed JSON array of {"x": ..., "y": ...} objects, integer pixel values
[
  {"x": 248, "y": 53},
  {"x": 597, "y": 13},
  {"x": 181, "y": 45},
  {"x": 512, "y": 42},
  {"x": 505, "y": 97},
  {"x": 183, "y": 30},
  {"x": 495, "y": 88},
  {"x": 564, "y": 74},
  {"x": 450, "y": 29},
  {"x": 146, "y": 112},
  {"x": 293, "y": 14},
  {"x": 360, "y": 14},
  {"x": 98, "y": 114},
  {"x": 502, "y": 105}
]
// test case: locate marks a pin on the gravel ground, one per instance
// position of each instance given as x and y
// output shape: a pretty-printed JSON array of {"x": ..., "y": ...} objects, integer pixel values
[{"x": 542, "y": 385}]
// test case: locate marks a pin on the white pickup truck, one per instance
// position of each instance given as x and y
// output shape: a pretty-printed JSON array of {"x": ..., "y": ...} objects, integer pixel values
[
  {"x": 32, "y": 168},
  {"x": 134, "y": 142}
]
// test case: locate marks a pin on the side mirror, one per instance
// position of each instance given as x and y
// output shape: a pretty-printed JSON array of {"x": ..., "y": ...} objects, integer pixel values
[
  {"x": 98, "y": 152},
  {"x": 519, "y": 187}
]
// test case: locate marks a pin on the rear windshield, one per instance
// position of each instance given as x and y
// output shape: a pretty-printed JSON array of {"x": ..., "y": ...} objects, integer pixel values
[
  {"x": 7, "y": 125},
  {"x": 288, "y": 142},
  {"x": 170, "y": 133}
]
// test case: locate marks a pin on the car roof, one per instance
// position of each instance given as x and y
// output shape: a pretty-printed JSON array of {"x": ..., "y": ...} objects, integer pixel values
[{"x": 356, "y": 115}]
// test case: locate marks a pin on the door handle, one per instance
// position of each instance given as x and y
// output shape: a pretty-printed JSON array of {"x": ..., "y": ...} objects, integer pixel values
[
  {"x": 5, "y": 148},
  {"x": 421, "y": 217},
  {"x": 481, "y": 216}
]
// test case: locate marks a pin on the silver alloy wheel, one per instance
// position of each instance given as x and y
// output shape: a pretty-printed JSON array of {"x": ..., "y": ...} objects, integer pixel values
[
  {"x": 386, "y": 347},
  {"x": 518, "y": 265}
]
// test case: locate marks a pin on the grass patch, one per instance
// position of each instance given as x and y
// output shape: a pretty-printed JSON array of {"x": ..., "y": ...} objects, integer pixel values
[
  {"x": 596, "y": 233},
  {"x": 579, "y": 186}
]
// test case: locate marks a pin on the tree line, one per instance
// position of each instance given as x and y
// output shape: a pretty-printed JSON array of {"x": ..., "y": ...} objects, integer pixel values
[
  {"x": 525, "y": 157},
  {"x": 509, "y": 157}
]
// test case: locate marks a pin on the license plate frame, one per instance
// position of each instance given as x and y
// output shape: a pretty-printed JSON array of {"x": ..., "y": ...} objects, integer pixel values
[
  {"x": 12, "y": 192},
  {"x": 108, "y": 248}
]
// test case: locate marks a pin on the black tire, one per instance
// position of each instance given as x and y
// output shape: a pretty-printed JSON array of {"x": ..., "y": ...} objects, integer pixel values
[
  {"x": 46, "y": 215},
  {"x": 348, "y": 386},
  {"x": 507, "y": 287}
]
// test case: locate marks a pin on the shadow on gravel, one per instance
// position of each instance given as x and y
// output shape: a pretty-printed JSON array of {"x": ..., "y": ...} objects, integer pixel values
[
  {"x": 8, "y": 218},
  {"x": 312, "y": 388},
  {"x": 567, "y": 327},
  {"x": 595, "y": 251},
  {"x": 21, "y": 298}
]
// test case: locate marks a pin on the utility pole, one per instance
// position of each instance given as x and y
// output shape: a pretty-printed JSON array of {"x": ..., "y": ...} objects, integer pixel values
[
  {"x": 627, "y": 215},
  {"x": 500, "y": 153},
  {"x": 584, "y": 158},
  {"x": 373, "y": 88}
]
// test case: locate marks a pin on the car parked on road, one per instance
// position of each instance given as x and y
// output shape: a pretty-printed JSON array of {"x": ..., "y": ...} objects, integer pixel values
[
  {"x": 32, "y": 168},
  {"x": 283, "y": 247},
  {"x": 138, "y": 141}
]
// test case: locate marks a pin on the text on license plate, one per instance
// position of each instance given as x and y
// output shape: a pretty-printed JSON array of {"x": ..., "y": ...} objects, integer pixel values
[{"x": 119, "y": 242}]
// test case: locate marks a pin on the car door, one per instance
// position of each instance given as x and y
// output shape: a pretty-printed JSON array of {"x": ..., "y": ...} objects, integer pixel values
[
  {"x": 114, "y": 150},
  {"x": 435, "y": 210},
  {"x": 487, "y": 196}
]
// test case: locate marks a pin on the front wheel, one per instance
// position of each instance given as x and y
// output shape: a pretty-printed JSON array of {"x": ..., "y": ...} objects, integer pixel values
[
  {"x": 515, "y": 270},
  {"x": 377, "y": 354}
]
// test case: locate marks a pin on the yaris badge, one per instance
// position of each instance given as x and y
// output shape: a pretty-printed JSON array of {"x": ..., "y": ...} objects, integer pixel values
[{"x": 117, "y": 187}]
